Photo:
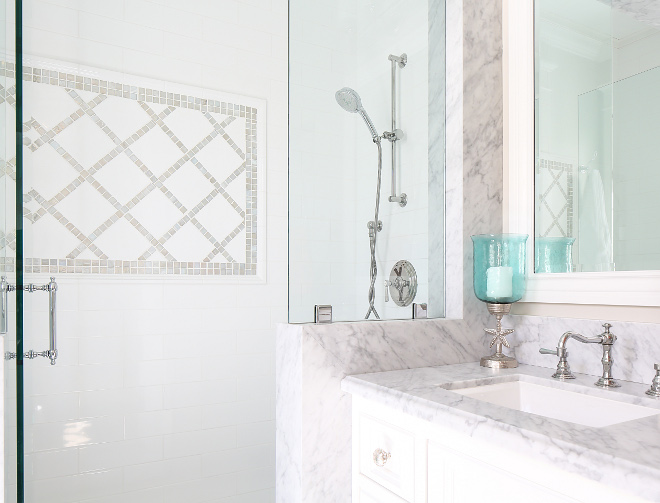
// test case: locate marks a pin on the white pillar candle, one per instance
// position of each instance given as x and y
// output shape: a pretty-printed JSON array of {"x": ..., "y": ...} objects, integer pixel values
[{"x": 499, "y": 282}]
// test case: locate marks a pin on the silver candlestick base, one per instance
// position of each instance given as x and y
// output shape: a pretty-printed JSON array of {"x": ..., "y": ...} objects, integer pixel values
[{"x": 499, "y": 360}]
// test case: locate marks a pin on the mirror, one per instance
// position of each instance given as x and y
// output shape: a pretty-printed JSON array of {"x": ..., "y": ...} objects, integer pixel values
[{"x": 597, "y": 135}]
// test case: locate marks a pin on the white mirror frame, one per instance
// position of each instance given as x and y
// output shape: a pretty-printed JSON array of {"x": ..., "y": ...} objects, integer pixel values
[{"x": 629, "y": 288}]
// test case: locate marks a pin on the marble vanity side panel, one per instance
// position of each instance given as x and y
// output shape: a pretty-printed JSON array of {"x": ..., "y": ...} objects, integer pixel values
[
  {"x": 454, "y": 160},
  {"x": 636, "y": 350},
  {"x": 288, "y": 413},
  {"x": 482, "y": 139},
  {"x": 436, "y": 113},
  {"x": 326, "y": 427},
  {"x": 330, "y": 353}
]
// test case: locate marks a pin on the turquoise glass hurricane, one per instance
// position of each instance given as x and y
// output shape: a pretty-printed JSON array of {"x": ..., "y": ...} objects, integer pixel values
[
  {"x": 553, "y": 254},
  {"x": 499, "y": 267}
]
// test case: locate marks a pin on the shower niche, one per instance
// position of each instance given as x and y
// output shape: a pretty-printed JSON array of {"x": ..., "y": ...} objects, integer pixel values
[{"x": 366, "y": 189}]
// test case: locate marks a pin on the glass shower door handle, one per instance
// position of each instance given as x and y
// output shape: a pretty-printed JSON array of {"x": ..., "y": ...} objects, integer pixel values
[
  {"x": 51, "y": 288},
  {"x": 5, "y": 288}
]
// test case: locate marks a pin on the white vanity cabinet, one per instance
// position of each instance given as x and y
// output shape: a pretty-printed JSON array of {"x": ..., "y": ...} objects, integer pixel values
[{"x": 398, "y": 458}]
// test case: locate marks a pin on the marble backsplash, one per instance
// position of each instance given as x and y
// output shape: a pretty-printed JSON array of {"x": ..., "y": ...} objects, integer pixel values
[{"x": 636, "y": 350}]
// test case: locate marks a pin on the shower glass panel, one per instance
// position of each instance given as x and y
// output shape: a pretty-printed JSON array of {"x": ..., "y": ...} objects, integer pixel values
[{"x": 365, "y": 239}]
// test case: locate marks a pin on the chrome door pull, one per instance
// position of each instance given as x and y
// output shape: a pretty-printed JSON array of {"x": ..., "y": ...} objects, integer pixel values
[
  {"x": 51, "y": 288},
  {"x": 5, "y": 288}
]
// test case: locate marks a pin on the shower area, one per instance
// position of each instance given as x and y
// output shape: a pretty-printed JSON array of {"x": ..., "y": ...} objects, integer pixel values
[{"x": 366, "y": 160}]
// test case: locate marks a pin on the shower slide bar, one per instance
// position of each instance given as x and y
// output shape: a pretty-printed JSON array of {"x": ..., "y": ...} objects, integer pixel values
[
  {"x": 51, "y": 288},
  {"x": 396, "y": 134}
]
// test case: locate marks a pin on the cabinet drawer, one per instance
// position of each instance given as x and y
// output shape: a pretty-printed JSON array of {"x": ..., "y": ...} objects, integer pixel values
[
  {"x": 394, "y": 468},
  {"x": 370, "y": 492}
]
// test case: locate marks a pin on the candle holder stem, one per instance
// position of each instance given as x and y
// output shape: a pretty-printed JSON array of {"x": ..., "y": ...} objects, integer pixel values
[{"x": 499, "y": 360}]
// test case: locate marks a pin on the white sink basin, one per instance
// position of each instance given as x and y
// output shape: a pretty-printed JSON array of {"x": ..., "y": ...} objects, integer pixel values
[{"x": 557, "y": 403}]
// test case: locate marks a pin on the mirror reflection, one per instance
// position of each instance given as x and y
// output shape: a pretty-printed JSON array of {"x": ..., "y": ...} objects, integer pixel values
[{"x": 597, "y": 148}]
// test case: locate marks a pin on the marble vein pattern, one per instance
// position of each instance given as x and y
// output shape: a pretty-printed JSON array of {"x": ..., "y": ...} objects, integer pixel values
[
  {"x": 624, "y": 455},
  {"x": 473, "y": 197},
  {"x": 636, "y": 350},
  {"x": 318, "y": 414},
  {"x": 645, "y": 11}
]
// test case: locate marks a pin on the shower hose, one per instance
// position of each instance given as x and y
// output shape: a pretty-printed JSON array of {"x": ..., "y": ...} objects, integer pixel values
[{"x": 373, "y": 234}]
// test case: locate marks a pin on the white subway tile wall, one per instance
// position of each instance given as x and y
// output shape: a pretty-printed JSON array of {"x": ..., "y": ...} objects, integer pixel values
[
  {"x": 164, "y": 389},
  {"x": 333, "y": 162}
]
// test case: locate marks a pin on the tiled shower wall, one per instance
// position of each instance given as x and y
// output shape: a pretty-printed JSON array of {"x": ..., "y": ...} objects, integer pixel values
[
  {"x": 333, "y": 162},
  {"x": 164, "y": 388}
]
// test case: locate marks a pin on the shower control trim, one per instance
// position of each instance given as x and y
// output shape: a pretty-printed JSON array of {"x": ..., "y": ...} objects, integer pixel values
[{"x": 402, "y": 285}]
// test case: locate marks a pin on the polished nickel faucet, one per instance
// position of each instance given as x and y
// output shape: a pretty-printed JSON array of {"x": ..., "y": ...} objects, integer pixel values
[{"x": 607, "y": 340}]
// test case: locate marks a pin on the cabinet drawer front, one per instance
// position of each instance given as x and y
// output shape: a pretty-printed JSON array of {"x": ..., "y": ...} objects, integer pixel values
[
  {"x": 370, "y": 492},
  {"x": 387, "y": 456}
]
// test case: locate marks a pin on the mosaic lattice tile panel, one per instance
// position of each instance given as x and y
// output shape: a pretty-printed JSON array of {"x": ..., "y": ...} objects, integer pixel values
[
  {"x": 554, "y": 190},
  {"x": 123, "y": 179}
]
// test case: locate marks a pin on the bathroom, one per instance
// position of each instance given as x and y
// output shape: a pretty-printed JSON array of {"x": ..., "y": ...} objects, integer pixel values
[{"x": 261, "y": 251}]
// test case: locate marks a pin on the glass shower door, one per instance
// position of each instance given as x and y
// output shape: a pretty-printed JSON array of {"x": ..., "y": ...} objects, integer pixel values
[{"x": 12, "y": 401}]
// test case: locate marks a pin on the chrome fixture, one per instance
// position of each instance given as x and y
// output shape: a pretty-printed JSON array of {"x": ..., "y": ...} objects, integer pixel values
[
  {"x": 396, "y": 134},
  {"x": 402, "y": 285},
  {"x": 420, "y": 311},
  {"x": 51, "y": 288},
  {"x": 607, "y": 339},
  {"x": 323, "y": 314},
  {"x": 381, "y": 457},
  {"x": 5, "y": 288},
  {"x": 499, "y": 360},
  {"x": 350, "y": 101},
  {"x": 654, "y": 390}
]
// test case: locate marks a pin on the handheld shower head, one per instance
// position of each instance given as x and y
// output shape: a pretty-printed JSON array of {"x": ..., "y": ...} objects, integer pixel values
[{"x": 350, "y": 101}]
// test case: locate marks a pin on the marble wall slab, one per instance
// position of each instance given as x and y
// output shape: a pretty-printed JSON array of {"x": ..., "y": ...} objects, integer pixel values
[{"x": 314, "y": 419}]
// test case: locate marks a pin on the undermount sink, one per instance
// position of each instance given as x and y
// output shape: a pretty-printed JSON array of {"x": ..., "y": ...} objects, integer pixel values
[{"x": 557, "y": 403}]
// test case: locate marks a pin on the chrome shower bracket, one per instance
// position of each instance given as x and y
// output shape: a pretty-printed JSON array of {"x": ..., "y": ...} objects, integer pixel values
[
  {"x": 374, "y": 228},
  {"x": 395, "y": 134},
  {"x": 51, "y": 288}
]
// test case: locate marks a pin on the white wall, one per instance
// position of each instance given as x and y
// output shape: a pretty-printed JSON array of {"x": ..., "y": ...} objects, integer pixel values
[
  {"x": 395, "y": 27},
  {"x": 322, "y": 167},
  {"x": 635, "y": 152},
  {"x": 164, "y": 390}
]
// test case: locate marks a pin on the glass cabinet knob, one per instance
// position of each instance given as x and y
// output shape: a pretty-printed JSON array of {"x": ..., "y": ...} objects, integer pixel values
[{"x": 381, "y": 457}]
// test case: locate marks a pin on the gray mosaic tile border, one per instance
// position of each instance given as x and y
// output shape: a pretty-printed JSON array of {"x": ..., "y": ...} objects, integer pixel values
[
  {"x": 104, "y": 265},
  {"x": 556, "y": 168}
]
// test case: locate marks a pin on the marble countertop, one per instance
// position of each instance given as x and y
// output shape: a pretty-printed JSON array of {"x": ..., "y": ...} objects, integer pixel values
[{"x": 624, "y": 455}]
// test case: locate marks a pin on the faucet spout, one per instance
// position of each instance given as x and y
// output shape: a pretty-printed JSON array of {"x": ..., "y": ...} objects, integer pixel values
[
  {"x": 606, "y": 339},
  {"x": 578, "y": 337}
]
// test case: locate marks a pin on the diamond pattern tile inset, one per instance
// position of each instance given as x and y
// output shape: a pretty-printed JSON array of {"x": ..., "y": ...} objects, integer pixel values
[{"x": 135, "y": 180}]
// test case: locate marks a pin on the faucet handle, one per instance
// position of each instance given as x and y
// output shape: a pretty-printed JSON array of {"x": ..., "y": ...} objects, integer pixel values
[
  {"x": 608, "y": 337},
  {"x": 654, "y": 390},
  {"x": 545, "y": 351}
]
